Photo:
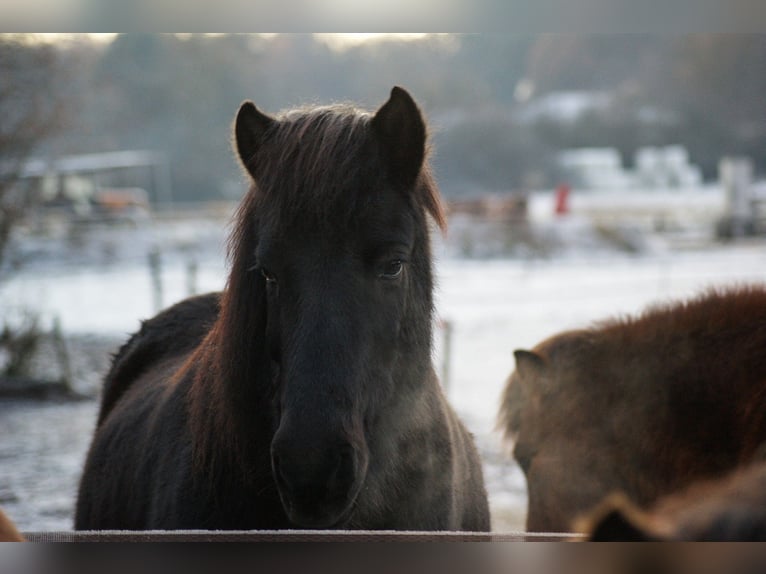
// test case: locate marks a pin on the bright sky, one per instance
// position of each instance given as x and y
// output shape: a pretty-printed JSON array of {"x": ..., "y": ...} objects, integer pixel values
[
  {"x": 339, "y": 41},
  {"x": 347, "y": 40},
  {"x": 52, "y": 38}
]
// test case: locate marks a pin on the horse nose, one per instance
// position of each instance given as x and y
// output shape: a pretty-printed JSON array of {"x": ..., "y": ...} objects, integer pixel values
[
  {"x": 319, "y": 470},
  {"x": 313, "y": 479}
]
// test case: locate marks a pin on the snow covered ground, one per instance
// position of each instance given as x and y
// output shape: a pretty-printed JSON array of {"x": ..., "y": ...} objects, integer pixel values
[{"x": 493, "y": 305}]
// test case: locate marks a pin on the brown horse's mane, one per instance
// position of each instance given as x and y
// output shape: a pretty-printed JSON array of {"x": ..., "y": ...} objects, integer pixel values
[
  {"x": 707, "y": 349},
  {"x": 296, "y": 174},
  {"x": 713, "y": 311},
  {"x": 717, "y": 319}
]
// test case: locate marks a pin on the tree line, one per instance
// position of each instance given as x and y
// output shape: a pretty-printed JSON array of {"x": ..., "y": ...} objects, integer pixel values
[{"x": 178, "y": 94}]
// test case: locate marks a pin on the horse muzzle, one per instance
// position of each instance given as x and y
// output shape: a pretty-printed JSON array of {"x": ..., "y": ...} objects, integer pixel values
[{"x": 318, "y": 484}]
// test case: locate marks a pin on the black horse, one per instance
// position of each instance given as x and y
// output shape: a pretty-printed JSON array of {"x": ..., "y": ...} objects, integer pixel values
[{"x": 304, "y": 394}]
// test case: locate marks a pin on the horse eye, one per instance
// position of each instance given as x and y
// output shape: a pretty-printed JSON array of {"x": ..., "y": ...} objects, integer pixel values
[
  {"x": 392, "y": 269},
  {"x": 268, "y": 276}
]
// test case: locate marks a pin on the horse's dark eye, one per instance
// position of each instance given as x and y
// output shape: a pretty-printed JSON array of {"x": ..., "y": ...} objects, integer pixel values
[
  {"x": 392, "y": 269},
  {"x": 268, "y": 276}
]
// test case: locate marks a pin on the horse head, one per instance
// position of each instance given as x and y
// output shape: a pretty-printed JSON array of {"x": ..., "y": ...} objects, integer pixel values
[{"x": 338, "y": 256}]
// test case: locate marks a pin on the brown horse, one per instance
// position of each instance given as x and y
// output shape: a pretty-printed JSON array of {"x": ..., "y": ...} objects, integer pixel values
[
  {"x": 644, "y": 406},
  {"x": 304, "y": 395}
]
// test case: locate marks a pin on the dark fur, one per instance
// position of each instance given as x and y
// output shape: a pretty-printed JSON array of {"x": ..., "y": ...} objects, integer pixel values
[
  {"x": 310, "y": 400},
  {"x": 174, "y": 332},
  {"x": 644, "y": 406}
]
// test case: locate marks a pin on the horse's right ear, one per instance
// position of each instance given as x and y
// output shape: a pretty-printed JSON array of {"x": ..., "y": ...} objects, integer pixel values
[
  {"x": 529, "y": 364},
  {"x": 250, "y": 129}
]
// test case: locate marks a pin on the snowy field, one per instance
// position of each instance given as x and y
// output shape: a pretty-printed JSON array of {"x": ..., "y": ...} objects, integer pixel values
[{"x": 494, "y": 307}]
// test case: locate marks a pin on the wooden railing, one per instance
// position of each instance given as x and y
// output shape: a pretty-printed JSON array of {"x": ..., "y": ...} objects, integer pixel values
[{"x": 290, "y": 536}]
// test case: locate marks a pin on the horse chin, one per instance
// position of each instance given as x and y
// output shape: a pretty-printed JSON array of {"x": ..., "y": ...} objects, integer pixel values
[
  {"x": 326, "y": 516},
  {"x": 318, "y": 520}
]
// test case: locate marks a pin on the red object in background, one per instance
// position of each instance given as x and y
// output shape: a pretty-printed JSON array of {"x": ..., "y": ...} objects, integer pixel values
[{"x": 562, "y": 200}]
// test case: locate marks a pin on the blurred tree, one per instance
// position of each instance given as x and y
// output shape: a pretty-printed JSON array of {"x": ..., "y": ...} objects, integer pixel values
[
  {"x": 175, "y": 94},
  {"x": 490, "y": 152},
  {"x": 31, "y": 112},
  {"x": 721, "y": 75},
  {"x": 559, "y": 62},
  {"x": 717, "y": 83},
  {"x": 179, "y": 94}
]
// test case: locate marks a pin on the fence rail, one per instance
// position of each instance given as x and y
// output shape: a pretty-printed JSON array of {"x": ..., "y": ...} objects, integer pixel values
[{"x": 265, "y": 536}]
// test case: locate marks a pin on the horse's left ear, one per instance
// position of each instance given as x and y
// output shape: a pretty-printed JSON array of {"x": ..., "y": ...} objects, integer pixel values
[
  {"x": 401, "y": 132},
  {"x": 250, "y": 130}
]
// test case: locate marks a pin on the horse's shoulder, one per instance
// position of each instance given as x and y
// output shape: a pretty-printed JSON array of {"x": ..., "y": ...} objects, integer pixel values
[{"x": 173, "y": 332}]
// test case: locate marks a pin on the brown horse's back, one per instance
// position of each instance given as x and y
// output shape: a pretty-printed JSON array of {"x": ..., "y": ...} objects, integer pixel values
[
  {"x": 176, "y": 331},
  {"x": 645, "y": 406}
]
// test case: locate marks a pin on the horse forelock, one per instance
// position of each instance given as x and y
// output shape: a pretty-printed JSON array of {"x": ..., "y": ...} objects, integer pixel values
[
  {"x": 322, "y": 164},
  {"x": 312, "y": 159}
]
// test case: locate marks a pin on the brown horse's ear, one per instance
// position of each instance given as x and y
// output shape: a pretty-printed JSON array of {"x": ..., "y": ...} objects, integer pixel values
[
  {"x": 250, "y": 130},
  {"x": 616, "y": 526},
  {"x": 8, "y": 531},
  {"x": 400, "y": 129},
  {"x": 529, "y": 364},
  {"x": 616, "y": 520}
]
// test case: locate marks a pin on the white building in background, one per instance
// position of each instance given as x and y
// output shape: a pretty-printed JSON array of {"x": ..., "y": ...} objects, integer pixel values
[
  {"x": 564, "y": 107},
  {"x": 594, "y": 168},
  {"x": 655, "y": 168},
  {"x": 666, "y": 167}
]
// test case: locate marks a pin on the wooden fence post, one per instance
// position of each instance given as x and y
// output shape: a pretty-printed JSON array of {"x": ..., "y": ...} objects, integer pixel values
[
  {"x": 446, "y": 327},
  {"x": 155, "y": 269}
]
